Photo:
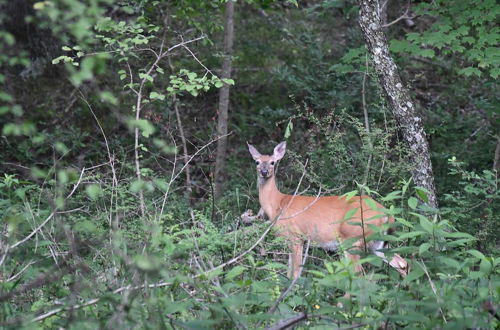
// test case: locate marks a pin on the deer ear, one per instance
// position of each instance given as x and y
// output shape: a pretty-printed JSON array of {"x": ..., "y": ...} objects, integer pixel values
[
  {"x": 279, "y": 151},
  {"x": 254, "y": 152}
]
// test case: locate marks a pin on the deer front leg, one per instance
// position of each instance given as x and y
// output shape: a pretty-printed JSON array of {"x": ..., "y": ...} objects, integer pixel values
[
  {"x": 295, "y": 260},
  {"x": 357, "y": 246}
]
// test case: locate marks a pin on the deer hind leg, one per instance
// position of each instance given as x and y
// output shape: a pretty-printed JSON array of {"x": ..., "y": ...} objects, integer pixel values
[
  {"x": 295, "y": 260},
  {"x": 397, "y": 262}
]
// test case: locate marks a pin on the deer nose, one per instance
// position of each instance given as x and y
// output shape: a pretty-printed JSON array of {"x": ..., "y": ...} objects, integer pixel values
[{"x": 264, "y": 172}]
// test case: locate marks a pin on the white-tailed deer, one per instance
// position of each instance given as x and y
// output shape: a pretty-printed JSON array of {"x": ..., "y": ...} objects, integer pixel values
[{"x": 326, "y": 220}]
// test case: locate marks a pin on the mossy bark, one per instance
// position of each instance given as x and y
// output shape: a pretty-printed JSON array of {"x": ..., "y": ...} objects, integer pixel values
[{"x": 397, "y": 96}]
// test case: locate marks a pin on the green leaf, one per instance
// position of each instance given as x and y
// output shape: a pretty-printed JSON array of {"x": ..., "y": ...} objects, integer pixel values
[
  {"x": 422, "y": 193},
  {"x": 146, "y": 263},
  {"x": 495, "y": 73},
  {"x": 146, "y": 76},
  {"x": 411, "y": 234},
  {"x": 415, "y": 273},
  {"x": 476, "y": 254},
  {"x": 392, "y": 195},
  {"x": 404, "y": 222},
  {"x": 371, "y": 204},
  {"x": 349, "y": 195},
  {"x": 228, "y": 81},
  {"x": 218, "y": 84},
  {"x": 86, "y": 226},
  {"x": 349, "y": 214},
  {"x": 143, "y": 125},
  {"x": 423, "y": 248},
  {"x": 450, "y": 262},
  {"x": 469, "y": 71},
  {"x": 412, "y": 203},
  {"x": 235, "y": 271},
  {"x": 94, "y": 191},
  {"x": 156, "y": 96},
  {"x": 485, "y": 266},
  {"x": 427, "y": 225},
  {"x": 476, "y": 275}
]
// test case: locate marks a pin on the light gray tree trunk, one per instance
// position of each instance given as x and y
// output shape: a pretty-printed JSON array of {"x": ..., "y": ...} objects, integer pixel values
[
  {"x": 397, "y": 96},
  {"x": 220, "y": 158},
  {"x": 496, "y": 160}
]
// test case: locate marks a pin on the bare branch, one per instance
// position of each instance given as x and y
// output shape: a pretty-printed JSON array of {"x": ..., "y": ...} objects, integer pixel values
[
  {"x": 289, "y": 322},
  {"x": 404, "y": 16}
]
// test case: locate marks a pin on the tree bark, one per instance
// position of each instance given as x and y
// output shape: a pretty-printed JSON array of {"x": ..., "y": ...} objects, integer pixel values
[
  {"x": 220, "y": 158},
  {"x": 397, "y": 97},
  {"x": 496, "y": 160}
]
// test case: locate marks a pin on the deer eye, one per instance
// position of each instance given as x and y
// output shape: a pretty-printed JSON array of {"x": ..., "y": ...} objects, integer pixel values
[
  {"x": 272, "y": 163},
  {"x": 257, "y": 162}
]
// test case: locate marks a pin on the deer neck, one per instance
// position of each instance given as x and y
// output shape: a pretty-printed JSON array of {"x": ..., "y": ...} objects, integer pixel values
[{"x": 269, "y": 197}]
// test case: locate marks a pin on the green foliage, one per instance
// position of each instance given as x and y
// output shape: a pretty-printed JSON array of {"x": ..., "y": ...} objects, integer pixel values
[
  {"x": 75, "y": 250},
  {"x": 465, "y": 30},
  {"x": 475, "y": 204},
  {"x": 342, "y": 157},
  {"x": 176, "y": 271}
]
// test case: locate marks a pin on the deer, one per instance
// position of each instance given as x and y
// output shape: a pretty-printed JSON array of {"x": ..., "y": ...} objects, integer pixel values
[{"x": 321, "y": 220}]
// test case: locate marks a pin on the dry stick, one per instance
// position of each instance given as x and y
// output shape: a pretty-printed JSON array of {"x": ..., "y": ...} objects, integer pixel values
[
  {"x": 287, "y": 323},
  {"x": 181, "y": 132},
  {"x": 13, "y": 277},
  {"x": 433, "y": 287}
]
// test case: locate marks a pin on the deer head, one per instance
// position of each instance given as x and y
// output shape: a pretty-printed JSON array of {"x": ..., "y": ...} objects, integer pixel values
[{"x": 264, "y": 163}]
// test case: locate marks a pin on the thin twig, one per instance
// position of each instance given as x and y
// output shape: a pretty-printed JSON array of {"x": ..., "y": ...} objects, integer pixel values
[
  {"x": 433, "y": 287},
  {"x": 13, "y": 277},
  {"x": 404, "y": 16},
  {"x": 183, "y": 136}
]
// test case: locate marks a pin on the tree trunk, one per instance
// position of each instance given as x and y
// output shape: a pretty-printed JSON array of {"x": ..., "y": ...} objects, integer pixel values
[
  {"x": 220, "y": 158},
  {"x": 397, "y": 97},
  {"x": 496, "y": 160}
]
